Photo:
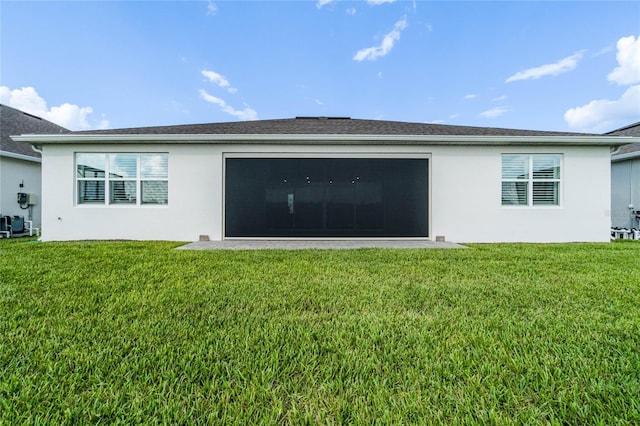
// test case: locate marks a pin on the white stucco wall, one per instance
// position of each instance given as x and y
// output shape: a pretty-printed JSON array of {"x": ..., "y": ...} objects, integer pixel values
[
  {"x": 195, "y": 191},
  {"x": 465, "y": 194},
  {"x": 13, "y": 172},
  {"x": 467, "y": 207}
]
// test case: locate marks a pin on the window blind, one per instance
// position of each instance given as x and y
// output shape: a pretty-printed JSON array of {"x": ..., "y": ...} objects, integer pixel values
[{"x": 531, "y": 179}]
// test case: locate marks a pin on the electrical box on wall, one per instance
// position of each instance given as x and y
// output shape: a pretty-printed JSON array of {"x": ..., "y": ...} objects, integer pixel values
[{"x": 25, "y": 199}]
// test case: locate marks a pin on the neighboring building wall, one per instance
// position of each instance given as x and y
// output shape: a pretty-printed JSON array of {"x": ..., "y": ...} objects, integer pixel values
[
  {"x": 12, "y": 173},
  {"x": 625, "y": 191},
  {"x": 465, "y": 197}
]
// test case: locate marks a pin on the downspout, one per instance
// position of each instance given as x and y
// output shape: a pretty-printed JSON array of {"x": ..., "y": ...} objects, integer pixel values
[
  {"x": 613, "y": 150},
  {"x": 37, "y": 149}
]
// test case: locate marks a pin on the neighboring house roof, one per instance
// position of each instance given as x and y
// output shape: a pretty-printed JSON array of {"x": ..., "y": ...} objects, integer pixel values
[
  {"x": 630, "y": 130},
  {"x": 631, "y": 150},
  {"x": 16, "y": 122}
]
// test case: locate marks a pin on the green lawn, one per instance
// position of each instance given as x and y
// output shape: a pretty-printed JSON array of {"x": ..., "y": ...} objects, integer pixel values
[{"x": 136, "y": 332}]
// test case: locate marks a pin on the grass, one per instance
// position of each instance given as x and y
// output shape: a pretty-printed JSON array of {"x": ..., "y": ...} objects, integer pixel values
[{"x": 136, "y": 332}]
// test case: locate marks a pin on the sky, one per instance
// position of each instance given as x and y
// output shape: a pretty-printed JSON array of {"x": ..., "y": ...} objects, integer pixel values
[{"x": 543, "y": 65}]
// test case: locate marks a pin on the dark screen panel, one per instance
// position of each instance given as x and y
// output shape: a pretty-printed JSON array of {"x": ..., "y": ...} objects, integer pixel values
[{"x": 326, "y": 197}]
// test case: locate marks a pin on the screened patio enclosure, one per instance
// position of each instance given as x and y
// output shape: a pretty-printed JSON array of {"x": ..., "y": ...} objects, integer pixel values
[{"x": 326, "y": 197}]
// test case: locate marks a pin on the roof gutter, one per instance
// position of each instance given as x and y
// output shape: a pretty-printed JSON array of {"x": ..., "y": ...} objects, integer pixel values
[
  {"x": 20, "y": 156},
  {"x": 627, "y": 156},
  {"x": 333, "y": 139}
]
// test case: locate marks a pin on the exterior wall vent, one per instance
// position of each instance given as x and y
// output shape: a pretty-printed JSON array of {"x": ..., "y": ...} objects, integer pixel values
[{"x": 322, "y": 118}]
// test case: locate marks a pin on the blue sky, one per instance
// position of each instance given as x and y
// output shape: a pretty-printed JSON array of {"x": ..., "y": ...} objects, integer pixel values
[{"x": 562, "y": 65}]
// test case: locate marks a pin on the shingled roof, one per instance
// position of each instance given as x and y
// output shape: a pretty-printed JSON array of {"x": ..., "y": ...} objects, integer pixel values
[
  {"x": 324, "y": 126},
  {"x": 16, "y": 122},
  {"x": 630, "y": 130}
]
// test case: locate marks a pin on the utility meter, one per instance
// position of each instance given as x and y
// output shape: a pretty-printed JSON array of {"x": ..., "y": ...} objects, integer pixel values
[{"x": 26, "y": 200}]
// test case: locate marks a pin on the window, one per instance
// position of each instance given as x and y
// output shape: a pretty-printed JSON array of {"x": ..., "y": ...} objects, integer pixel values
[
  {"x": 122, "y": 178},
  {"x": 531, "y": 180}
]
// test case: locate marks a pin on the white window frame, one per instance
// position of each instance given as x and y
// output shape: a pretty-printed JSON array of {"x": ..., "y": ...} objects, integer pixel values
[
  {"x": 530, "y": 180},
  {"x": 138, "y": 179}
]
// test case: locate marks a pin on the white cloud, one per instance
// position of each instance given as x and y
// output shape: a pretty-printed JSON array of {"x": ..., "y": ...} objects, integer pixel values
[
  {"x": 244, "y": 114},
  {"x": 603, "y": 114},
  {"x": 493, "y": 112},
  {"x": 628, "y": 56},
  {"x": 600, "y": 115},
  {"x": 351, "y": 11},
  {"x": 372, "y": 53},
  {"x": 562, "y": 66},
  {"x": 73, "y": 116},
  {"x": 219, "y": 80},
  {"x": 103, "y": 124},
  {"x": 212, "y": 8},
  {"x": 379, "y": 2},
  {"x": 500, "y": 98},
  {"x": 319, "y": 102},
  {"x": 603, "y": 51},
  {"x": 25, "y": 99},
  {"x": 66, "y": 115},
  {"x": 471, "y": 96},
  {"x": 322, "y": 3}
]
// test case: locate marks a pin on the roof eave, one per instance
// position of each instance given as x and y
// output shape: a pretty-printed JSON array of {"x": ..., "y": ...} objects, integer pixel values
[
  {"x": 627, "y": 156},
  {"x": 330, "y": 139},
  {"x": 20, "y": 156}
]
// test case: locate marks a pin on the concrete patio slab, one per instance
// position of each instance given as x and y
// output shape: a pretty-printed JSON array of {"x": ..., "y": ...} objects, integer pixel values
[{"x": 316, "y": 244}]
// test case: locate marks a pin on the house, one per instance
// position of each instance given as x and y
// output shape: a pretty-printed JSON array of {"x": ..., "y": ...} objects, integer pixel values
[
  {"x": 326, "y": 178},
  {"x": 20, "y": 164},
  {"x": 625, "y": 180}
]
